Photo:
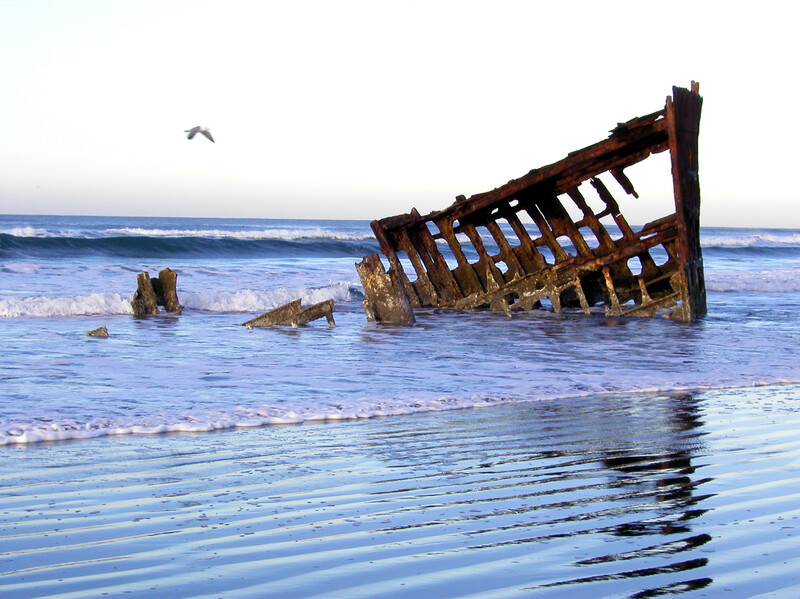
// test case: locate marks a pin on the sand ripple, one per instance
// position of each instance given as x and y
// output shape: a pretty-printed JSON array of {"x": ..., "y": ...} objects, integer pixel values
[{"x": 608, "y": 496}]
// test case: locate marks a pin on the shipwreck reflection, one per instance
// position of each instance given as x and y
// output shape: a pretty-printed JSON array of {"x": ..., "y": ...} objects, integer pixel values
[
  {"x": 662, "y": 497},
  {"x": 610, "y": 485}
]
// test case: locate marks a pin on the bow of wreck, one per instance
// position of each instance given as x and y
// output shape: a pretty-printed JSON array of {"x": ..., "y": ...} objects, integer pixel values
[{"x": 540, "y": 241}]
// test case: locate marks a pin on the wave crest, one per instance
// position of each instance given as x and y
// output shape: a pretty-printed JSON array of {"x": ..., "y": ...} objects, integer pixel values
[
  {"x": 110, "y": 304},
  {"x": 253, "y": 300},
  {"x": 79, "y": 305}
]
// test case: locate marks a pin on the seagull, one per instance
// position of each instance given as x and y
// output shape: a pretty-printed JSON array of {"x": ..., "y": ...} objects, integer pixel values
[{"x": 198, "y": 129}]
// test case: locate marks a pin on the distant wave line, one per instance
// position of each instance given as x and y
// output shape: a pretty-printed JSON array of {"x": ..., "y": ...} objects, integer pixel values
[
  {"x": 284, "y": 234},
  {"x": 254, "y": 234},
  {"x": 137, "y": 246},
  {"x": 753, "y": 240},
  {"x": 709, "y": 239}
]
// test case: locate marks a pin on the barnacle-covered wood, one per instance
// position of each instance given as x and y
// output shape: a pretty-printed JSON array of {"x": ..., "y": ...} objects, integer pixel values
[
  {"x": 166, "y": 288},
  {"x": 144, "y": 298},
  {"x": 517, "y": 247},
  {"x": 384, "y": 298},
  {"x": 155, "y": 292},
  {"x": 293, "y": 315},
  {"x": 99, "y": 332}
]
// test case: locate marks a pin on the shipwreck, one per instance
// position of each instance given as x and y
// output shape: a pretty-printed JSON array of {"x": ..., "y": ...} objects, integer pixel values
[{"x": 555, "y": 238}]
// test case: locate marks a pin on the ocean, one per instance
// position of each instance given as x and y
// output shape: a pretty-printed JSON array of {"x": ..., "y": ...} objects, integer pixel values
[{"x": 471, "y": 439}]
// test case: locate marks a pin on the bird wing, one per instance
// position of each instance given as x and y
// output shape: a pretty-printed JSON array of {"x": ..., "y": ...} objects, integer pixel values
[
  {"x": 191, "y": 132},
  {"x": 207, "y": 133}
]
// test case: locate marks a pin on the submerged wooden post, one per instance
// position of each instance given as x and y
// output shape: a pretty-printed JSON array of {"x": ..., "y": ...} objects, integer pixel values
[
  {"x": 293, "y": 315},
  {"x": 152, "y": 293},
  {"x": 385, "y": 299},
  {"x": 144, "y": 301},
  {"x": 166, "y": 292},
  {"x": 316, "y": 311},
  {"x": 279, "y": 315}
]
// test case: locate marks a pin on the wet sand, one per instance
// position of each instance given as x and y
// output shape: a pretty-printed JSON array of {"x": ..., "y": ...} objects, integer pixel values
[{"x": 608, "y": 496}]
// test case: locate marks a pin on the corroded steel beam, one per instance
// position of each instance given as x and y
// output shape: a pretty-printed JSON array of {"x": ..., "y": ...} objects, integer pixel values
[{"x": 517, "y": 247}]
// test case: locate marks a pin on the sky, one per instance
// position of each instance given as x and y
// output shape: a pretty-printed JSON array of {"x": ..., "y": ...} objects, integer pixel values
[{"x": 364, "y": 109}]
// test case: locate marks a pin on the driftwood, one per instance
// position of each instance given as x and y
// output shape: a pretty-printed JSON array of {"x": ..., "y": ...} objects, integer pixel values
[
  {"x": 532, "y": 253},
  {"x": 293, "y": 315},
  {"x": 152, "y": 293}
]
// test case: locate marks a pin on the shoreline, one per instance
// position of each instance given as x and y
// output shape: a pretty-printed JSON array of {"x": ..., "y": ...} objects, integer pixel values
[
  {"x": 693, "y": 491},
  {"x": 257, "y": 418}
]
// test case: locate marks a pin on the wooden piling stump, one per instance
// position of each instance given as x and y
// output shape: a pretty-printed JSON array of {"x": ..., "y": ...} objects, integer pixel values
[
  {"x": 168, "y": 281},
  {"x": 152, "y": 293},
  {"x": 144, "y": 301},
  {"x": 385, "y": 298}
]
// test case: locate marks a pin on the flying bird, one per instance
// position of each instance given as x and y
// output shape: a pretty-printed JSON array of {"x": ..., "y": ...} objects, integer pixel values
[{"x": 199, "y": 129}]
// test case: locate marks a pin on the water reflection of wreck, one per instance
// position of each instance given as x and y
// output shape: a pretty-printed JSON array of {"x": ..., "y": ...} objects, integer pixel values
[{"x": 555, "y": 259}]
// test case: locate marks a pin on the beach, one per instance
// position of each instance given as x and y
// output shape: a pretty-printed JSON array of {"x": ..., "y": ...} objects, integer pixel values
[
  {"x": 347, "y": 301},
  {"x": 613, "y": 496},
  {"x": 472, "y": 454}
]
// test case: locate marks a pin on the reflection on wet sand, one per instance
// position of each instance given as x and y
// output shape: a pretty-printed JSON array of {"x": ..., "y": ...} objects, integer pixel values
[
  {"x": 590, "y": 471},
  {"x": 606, "y": 495}
]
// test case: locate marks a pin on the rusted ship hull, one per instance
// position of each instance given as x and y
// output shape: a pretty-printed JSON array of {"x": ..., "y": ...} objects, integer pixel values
[{"x": 532, "y": 254}]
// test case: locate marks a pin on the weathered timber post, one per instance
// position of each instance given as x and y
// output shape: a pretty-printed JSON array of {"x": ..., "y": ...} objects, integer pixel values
[
  {"x": 144, "y": 301},
  {"x": 279, "y": 315},
  {"x": 385, "y": 299},
  {"x": 152, "y": 293},
  {"x": 683, "y": 119},
  {"x": 166, "y": 290},
  {"x": 293, "y": 315},
  {"x": 317, "y": 311}
]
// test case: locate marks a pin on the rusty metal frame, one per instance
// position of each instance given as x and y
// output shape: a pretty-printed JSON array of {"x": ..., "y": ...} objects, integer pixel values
[{"x": 546, "y": 258}]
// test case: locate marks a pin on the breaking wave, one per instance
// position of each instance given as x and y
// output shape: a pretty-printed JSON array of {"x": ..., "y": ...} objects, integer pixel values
[
  {"x": 110, "y": 304},
  {"x": 766, "y": 281}
]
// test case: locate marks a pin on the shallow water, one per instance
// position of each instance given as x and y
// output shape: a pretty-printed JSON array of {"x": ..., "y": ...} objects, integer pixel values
[
  {"x": 187, "y": 456},
  {"x": 64, "y": 276},
  {"x": 613, "y": 496}
]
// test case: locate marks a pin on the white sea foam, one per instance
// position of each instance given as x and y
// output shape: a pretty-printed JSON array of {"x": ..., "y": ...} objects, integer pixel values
[
  {"x": 254, "y": 300},
  {"x": 246, "y": 300},
  {"x": 25, "y": 232},
  {"x": 79, "y": 305},
  {"x": 768, "y": 281},
  {"x": 200, "y": 421}
]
